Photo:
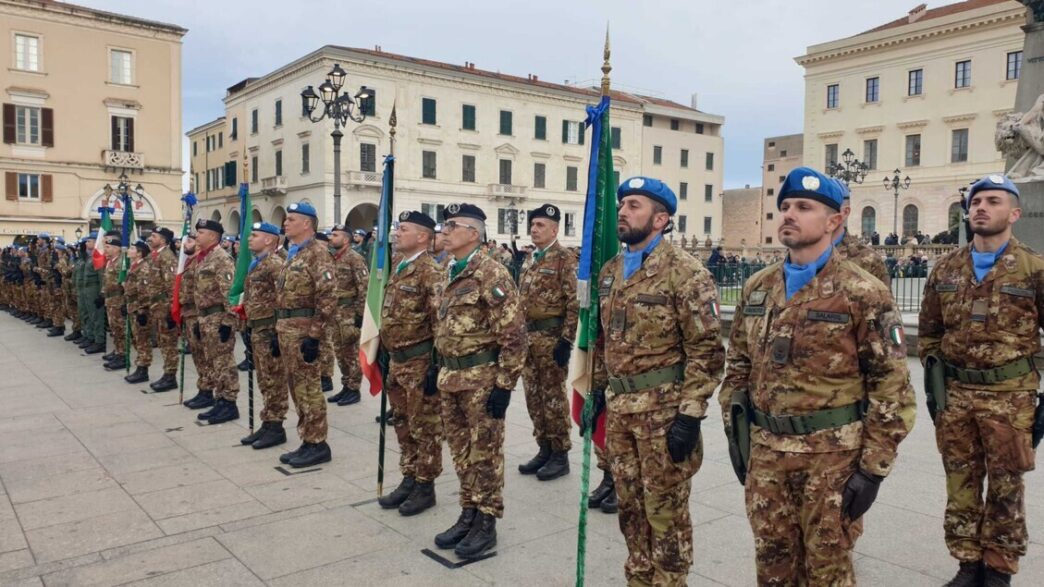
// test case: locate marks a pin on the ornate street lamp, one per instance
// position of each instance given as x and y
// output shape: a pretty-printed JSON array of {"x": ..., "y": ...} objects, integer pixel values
[
  {"x": 340, "y": 108},
  {"x": 849, "y": 170},
  {"x": 79, "y": 233},
  {"x": 895, "y": 183}
]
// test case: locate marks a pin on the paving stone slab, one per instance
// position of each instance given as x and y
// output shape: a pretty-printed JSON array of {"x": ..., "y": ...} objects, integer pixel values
[{"x": 140, "y": 566}]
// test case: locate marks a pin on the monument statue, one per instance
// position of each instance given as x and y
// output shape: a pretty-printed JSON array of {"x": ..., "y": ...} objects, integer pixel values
[
  {"x": 1020, "y": 138},
  {"x": 1036, "y": 9}
]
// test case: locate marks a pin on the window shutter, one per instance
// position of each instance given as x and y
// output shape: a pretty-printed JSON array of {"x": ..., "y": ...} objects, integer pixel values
[
  {"x": 114, "y": 132},
  {"x": 230, "y": 173},
  {"x": 582, "y": 128},
  {"x": 46, "y": 195},
  {"x": 11, "y": 181},
  {"x": 9, "y": 125},
  {"x": 130, "y": 134},
  {"x": 47, "y": 124},
  {"x": 565, "y": 131}
]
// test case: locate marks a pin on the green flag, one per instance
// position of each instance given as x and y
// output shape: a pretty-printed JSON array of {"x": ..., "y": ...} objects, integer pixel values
[{"x": 243, "y": 262}]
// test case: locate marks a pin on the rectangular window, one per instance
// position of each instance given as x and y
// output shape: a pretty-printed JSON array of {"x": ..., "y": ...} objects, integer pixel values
[
  {"x": 539, "y": 175},
  {"x": 221, "y": 139},
  {"x": 428, "y": 165},
  {"x": 708, "y": 193},
  {"x": 570, "y": 224},
  {"x": 913, "y": 150},
  {"x": 368, "y": 105},
  {"x": 279, "y": 163},
  {"x": 428, "y": 111},
  {"x": 783, "y": 153},
  {"x": 540, "y": 128},
  {"x": 657, "y": 154},
  {"x": 647, "y": 120},
  {"x": 367, "y": 157},
  {"x": 27, "y": 52},
  {"x": 771, "y": 166},
  {"x": 570, "y": 179},
  {"x": 833, "y": 95},
  {"x": 684, "y": 157},
  {"x": 873, "y": 87},
  {"x": 870, "y": 153},
  {"x": 195, "y": 148},
  {"x": 505, "y": 172},
  {"x": 467, "y": 169},
  {"x": 306, "y": 156},
  {"x": 681, "y": 223},
  {"x": 279, "y": 113},
  {"x": 771, "y": 192},
  {"x": 467, "y": 117},
  {"x": 959, "y": 146},
  {"x": 572, "y": 132},
  {"x": 27, "y": 125},
  {"x": 707, "y": 224},
  {"x": 253, "y": 121},
  {"x": 1014, "y": 65},
  {"x": 768, "y": 216},
  {"x": 253, "y": 169},
  {"x": 121, "y": 70},
  {"x": 614, "y": 137},
  {"x": 699, "y": 128},
  {"x": 28, "y": 186},
  {"x": 962, "y": 74},
  {"x": 831, "y": 155},
  {"x": 502, "y": 221},
  {"x": 235, "y": 130},
  {"x": 505, "y": 122},
  {"x": 683, "y": 191},
  {"x": 915, "y": 82},
  {"x": 675, "y": 124},
  {"x": 436, "y": 211},
  {"x": 710, "y": 162},
  {"x": 122, "y": 133}
]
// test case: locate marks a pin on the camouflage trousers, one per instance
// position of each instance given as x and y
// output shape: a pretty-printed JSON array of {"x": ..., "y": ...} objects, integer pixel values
[
  {"x": 653, "y": 492},
  {"x": 346, "y": 347},
  {"x": 603, "y": 462},
  {"x": 302, "y": 380},
  {"x": 166, "y": 337},
  {"x": 546, "y": 397},
  {"x": 476, "y": 441},
  {"x": 56, "y": 306},
  {"x": 189, "y": 326},
  {"x": 985, "y": 436},
  {"x": 224, "y": 376},
  {"x": 71, "y": 311},
  {"x": 794, "y": 508},
  {"x": 418, "y": 420},
  {"x": 326, "y": 353},
  {"x": 271, "y": 375},
  {"x": 117, "y": 327},
  {"x": 142, "y": 337}
]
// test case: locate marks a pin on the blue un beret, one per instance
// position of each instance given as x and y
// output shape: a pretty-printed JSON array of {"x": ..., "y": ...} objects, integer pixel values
[
  {"x": 266, "y": 227},
  {"x": 805, "y": 182},
  {"x": 92, "y": 236},
  {"x": 992, "y": 182},
  {"x": 650, "y": 188},
  {"x": 302, "y": 208}
]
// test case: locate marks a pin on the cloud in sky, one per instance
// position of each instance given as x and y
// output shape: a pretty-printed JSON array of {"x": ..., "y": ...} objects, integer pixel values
[{"x": 738, "y": 56}]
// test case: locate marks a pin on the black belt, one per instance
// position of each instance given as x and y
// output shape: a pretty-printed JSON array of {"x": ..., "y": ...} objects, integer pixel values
[
  {"x": 416, "y": 350},
  {"x": 295, "y": 313},
  {"x": 211, "y": 310},
  {"x": 545, "y": 324},
  {"x": 468, "y": 361},
  {"x": 809, "y": 423},
  {"x": 261, "y": 322}
]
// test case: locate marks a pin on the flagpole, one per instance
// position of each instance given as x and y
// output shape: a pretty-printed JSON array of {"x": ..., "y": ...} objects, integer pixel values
[
  {"x": 248, "y": 349},
  {"x": 189, "y": 201},
  {"x": 392, "y": 121}
]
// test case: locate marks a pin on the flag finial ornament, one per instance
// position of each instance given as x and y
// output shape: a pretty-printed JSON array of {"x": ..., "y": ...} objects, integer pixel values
[{"x": 606, "y": 66}]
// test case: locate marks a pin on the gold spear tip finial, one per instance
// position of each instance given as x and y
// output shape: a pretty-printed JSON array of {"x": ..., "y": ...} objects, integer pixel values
[
  {"x": 393, "y": 119},
  {"x": 246, "y": 166},
  {"x": 606, "y": 66}
]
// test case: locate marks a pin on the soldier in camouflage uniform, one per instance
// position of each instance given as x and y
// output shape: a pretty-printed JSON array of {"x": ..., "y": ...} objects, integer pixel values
[
  {"x": 204, "y": 397},
  {"x": 548, "y": 290},
  {"x": 326, "y": 345},
  {"x": 849, "y": 247},
  {"x": 91, "y": 301},
  {"x": 980, "y": 323},
  {"x": 162, "y": 265},
  {"x": 817, "y": 359},
  {"x": 259, "y": 303},
  {"x": 69, "y": 286},
  {"x": 480, "y": 335},
  {"x": 352, "y": 279},
  {"x": 408, "y": 319},
  {"x": 59, "y": 271},
  {"x": 115, "y": 306},
  {"x": 306, "y": 304},
  {"x": 137, "y": 294},
  {"x": 213, "y": 271},
  {"x": 658, "y": 360}
]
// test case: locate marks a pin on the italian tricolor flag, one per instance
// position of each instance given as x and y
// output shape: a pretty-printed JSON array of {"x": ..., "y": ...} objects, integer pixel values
[{"x": 380, "y": 266}]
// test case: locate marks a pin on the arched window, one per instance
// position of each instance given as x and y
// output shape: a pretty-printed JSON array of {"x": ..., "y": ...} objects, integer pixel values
[
  {"x": 869, "y": 221},
  {"x": 909, "y": 220},
  {"x": 216, "y": 216},
  {"x": 233, "y": 223},
  {"x": 255, "y": 216},
  {"x": 954, "y": 216}
]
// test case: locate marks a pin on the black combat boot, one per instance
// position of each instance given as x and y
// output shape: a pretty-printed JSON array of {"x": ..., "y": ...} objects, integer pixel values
[
  {"x": 73, "y": 336},
  {"x": 969, "y": 575},
  {"x": 399, "y": 495},
  {"x": 555, "y": 467},
  {"x": 311, "y": 455},
  {"x": 229, "y": 411},
  {"x": 117, "y": 363},
  {"x": 165, "y": 383},
  {"x": 94, "y": 349},
  {"x": 214, "y": 408},
  {"x": 249, "y": 439},
  {"x": 538, "y": 461},
  {"x": 84, "y": 342},
  {"x": 326, "y": 383},
  {"x": 451, "y": 537},
  {"x": 56, "y": 331},
  {"x": 140, "y": 375},
  {"x": 45, "y": 324},
  {"x": 109, "y": 356},
  {"x": 244, "y": 365},
  {"x": 421, "y": 498},
  {"x": 610, "y": 505},
  {"x": 333, "y": 399},
  {"x": 995, "y": 578},
  {"x": 482, "y": 537},
  {"x": 352, "y": 397},
  {"x": 273, "y": 435},
  {"x": 203, "y": 399},
  {"x": 602, "y": 491},
  {"x": 389, "y": 417},
  {"x": 286, "y": 456}
]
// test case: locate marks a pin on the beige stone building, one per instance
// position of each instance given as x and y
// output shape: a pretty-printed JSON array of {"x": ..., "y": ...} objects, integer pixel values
[
  {"x": 87, "y": 95},
  {"x": 506, "y": 143},
  {"x": 781, "y": 155},
  {"x": 923, "y": 94},
  {"x": 741, "y": 209}
]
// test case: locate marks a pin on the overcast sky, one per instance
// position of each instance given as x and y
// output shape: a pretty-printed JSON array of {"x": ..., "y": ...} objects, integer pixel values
[{"x": 737, "y": 55}]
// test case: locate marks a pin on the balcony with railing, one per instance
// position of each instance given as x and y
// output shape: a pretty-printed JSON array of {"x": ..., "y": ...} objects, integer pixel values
[
  {"x": 274, "y": 185},
  {"x": 362, "y": 178},
  {"x": 497, "y": 191},
  {"x": 123, "y": 159}
]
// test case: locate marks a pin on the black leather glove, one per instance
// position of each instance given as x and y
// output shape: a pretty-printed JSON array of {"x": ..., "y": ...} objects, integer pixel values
[
  {"x": 224, "y": 332},
  {"x": 358, "y": 321},
  {"x": 682, "y": 437},
  {"x": 598, "y": 397},
  {"x": 1038, "y": 421},
  {"x": 123, "y": 310},
  {"x": 497, "y": 404},
  {"x": 195, "y": 330},
  {"x": 431, "y": 380},
  {"x": 99, "y": 302},
  {"x": 142, "y": 319},
  {"x": 273, "y": 345},
  {"x": 859, "y": 494},
  {"x": 562, "y": 351},
  {"x": 310, "y": 349},
  {"x": 171, "y": 324}
]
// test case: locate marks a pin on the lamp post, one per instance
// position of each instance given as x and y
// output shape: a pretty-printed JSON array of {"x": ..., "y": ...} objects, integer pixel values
[
  {"x": 339, "y": 107},
  {"x": 79, "y": 233},
  {"x": 895, "y": 183},
  {"x": 849, "y": 169},
  {"x": 124, "y": 192}
]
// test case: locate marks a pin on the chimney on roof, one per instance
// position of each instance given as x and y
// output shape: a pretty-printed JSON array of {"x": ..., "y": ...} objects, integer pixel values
[
  {"x": 916, "y": 13},
  {"x": 694, "y": 101},
  {"x": 377, "y": 48}
]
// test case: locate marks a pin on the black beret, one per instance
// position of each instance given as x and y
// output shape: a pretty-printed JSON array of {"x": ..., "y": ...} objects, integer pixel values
[
  {"x": 465, "y": 211},
  {"x": 166, "y": 233},
  {"x": 113, "y": 232},
  {"x": 322, "y": 236},
  {"x": 341, "y": 228},
  {"x": 549, "y": 211},
  {"x": 142, "y": 247},
  {"x": 214, "y": 225},
  {"x": 419, "y": 218},
  {"x": 111, "y": 239}
]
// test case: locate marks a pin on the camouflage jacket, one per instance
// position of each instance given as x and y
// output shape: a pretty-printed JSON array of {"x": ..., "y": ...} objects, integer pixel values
[
  {"x": 64, "y": 267},
  {"x": 479, "y": 311},
  {"x": 307, "y": 282},
  {"x": 111, "y": 285},
  {"x": 352, "y": 278},
  {"x": 850, "y": 248},
  {"x": 411, "y": 303},
  {"x": 187, "y": 291},
  {"x": 548, "y": 289},
  {"x": 162, "y": 265},
  {"x": 983, "y": 325},
  {"x": 43, "y": 264},
  {"x": 838, "y": 341},
  {"x": 213, "y": 271},
  {"x": 135, "y": 288},
  {"x": 259, "y": 290},
  {"x": 665, "y": 314}
]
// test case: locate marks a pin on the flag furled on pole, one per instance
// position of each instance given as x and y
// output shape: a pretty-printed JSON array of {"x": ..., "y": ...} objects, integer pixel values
[
  {"x": 98, "y": 255},
  {"x": 189, "y": 200},
  {"x": 369, "y": 339},
  {"x": 125, "y": 236},
  {"x": 243, "y": 262}
]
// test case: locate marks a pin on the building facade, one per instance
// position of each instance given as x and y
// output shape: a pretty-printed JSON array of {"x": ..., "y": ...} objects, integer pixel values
[
  {"x": 922, "y": 95},
  {"x": 741, "y": 208},
  {"x": 505, "y": 143},
  {"x": 781, "y": 155},
  {"x": 87, "y": 95}
]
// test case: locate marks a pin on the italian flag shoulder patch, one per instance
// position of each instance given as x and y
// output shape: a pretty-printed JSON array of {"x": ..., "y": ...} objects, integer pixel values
[{"x": 896, "y": 334}]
